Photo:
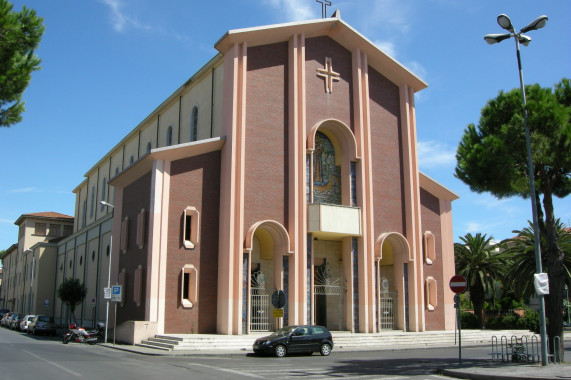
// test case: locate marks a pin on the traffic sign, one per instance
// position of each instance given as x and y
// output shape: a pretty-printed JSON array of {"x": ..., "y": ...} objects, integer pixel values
[
  {"x": 279, "y": 299},
  {"x": 117, "y": 293},
  {"x": 458, "y": 284}
]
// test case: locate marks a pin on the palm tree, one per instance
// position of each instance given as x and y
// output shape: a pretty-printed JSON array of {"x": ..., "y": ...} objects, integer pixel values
[
  {"x": 520, "y": 251},
  {"x": 480, "y": 263}
]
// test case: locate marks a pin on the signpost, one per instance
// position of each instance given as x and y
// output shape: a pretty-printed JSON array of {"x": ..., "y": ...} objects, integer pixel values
[
  {"x": 116, "y": 296},
  {"x": 458, "y": 284},
  {"x": 279, "y": 300}
]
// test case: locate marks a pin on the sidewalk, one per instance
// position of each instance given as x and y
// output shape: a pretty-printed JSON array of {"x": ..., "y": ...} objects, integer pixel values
[
  {"x": 486, "y": 370},
  {"x": 499, "y": 370}
]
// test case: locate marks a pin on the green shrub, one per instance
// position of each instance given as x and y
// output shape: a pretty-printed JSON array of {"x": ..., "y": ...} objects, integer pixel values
[{"x": 469, "y": 320}]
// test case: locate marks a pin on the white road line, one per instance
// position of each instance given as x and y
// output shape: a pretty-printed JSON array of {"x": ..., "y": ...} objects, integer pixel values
[
  {"x": 54, "y": 364},
  {"x": 227, "y": 370}
]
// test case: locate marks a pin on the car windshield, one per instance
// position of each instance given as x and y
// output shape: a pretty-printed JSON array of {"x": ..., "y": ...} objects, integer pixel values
[
  {"x": 45, "y": 318},
  {"x": 283, "y": 331}
]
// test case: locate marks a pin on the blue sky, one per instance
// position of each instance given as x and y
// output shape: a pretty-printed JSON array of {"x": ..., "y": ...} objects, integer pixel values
[{"x": 106, "y": 64}]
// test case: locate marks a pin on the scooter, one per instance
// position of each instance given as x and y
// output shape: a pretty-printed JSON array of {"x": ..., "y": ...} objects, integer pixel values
[{"x": 80, "y": 335}]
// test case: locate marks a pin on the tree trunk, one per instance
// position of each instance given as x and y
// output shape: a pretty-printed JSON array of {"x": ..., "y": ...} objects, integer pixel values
[
  {"x": 477, "y": 295},
  {"x": 554, "y": 264}
]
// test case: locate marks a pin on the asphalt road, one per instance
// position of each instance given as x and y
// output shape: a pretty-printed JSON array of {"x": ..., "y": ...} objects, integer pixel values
[{"x": 25, "y": 357}]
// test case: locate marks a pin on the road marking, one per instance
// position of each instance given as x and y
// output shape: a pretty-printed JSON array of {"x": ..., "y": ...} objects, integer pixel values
[
  {"x": 227, "y": 370},
  {"x": 54, "y": 364}
]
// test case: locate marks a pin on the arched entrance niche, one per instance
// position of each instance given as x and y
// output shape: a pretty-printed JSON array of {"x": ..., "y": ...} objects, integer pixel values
[
  {"x": 266, "y": 269},
  {"x": 332, "y": 255},
  {"x": 345, "y": 147},
  {"x": 392, "y": 256}
]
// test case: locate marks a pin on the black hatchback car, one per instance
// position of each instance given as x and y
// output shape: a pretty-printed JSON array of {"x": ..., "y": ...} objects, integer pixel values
[{"x": 296, "y": 339}]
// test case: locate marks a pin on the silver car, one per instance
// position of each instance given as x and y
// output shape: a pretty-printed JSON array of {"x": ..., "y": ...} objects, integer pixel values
[{"x": 26, "y": 321}]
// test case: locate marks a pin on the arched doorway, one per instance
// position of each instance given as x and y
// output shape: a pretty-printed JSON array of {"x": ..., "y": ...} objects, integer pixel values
[
  {"x": 266, "y": 270},
  {"x": 392, "y": 258}
]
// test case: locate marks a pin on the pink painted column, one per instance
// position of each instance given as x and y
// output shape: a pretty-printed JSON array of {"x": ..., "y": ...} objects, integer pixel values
[{"x": 232, "y": 192}]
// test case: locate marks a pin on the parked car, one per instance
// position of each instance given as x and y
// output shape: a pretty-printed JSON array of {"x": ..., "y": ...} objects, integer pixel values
[
  {"x": 295, "y": 339},
  {"x": 26, "y": 322},
  {"x": 42, "y": 324},
  {"x": 15, "y": 320},
  {"x": 3, "y": 312},
  {"x": 5, "y": 319}
]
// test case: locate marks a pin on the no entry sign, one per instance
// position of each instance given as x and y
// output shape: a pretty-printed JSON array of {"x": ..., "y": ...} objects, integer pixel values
[{"x": 458, "y": 284}]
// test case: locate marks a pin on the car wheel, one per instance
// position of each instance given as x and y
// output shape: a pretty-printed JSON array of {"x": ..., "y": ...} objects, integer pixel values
[
  {"x": 280, "y": 351},
  {"x": 325, "y": 349}
]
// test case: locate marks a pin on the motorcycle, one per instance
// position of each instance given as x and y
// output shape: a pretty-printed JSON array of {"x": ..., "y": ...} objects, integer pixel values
[{"x": 79, "y": 335}]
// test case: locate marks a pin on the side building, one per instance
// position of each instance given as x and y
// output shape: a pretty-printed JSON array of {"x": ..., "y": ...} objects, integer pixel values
[
  {"x": 287, "y": 163},
  {"x": 29, "y": 265}
]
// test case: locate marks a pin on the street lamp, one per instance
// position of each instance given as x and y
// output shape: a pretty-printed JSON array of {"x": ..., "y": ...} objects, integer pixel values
[
  {"x": 108, "y": 271},
  {"x": 520, "y": 38}
]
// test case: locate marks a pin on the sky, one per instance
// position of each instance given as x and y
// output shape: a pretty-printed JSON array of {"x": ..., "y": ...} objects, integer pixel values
[{"x": 107, "y": 64}]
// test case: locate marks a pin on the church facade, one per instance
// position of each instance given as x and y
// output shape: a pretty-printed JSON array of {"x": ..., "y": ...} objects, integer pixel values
[{"x": 285, "y": 170}]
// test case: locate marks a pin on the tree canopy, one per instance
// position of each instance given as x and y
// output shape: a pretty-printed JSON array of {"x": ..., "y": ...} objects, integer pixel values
[
  {"x": 20, "y": 35},
  {"x": 71, "y": 291},
  {"x": 492, "y": 157}
]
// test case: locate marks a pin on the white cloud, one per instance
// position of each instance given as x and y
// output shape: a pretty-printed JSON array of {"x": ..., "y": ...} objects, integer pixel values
[
  {"x": 387, "y": 47},
  {"x": 433, "y": 154},
  {"x": 120, "y": 20},
  {"x": 474, "y": 227},
  {"x": 23, "y": 190},
  {"x": 296, "y": 10},
  {"x": 417, "y": 69}
]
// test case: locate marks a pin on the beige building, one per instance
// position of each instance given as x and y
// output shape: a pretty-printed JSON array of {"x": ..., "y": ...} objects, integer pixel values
[{"x": 29, "y": 265}]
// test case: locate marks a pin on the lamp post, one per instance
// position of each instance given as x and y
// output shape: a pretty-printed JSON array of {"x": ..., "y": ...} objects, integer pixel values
[
  {"x": 108, "y": 271},
  {"x": 505, "y": 22}
]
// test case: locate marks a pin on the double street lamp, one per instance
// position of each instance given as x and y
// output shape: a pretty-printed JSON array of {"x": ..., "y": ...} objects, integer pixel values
[{"x": 520, "y": 38}]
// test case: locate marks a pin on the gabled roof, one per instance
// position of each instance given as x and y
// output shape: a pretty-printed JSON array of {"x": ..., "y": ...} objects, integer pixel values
[
  {"x": 44, "y": 215},
  {"x": 336, "y": 29}
]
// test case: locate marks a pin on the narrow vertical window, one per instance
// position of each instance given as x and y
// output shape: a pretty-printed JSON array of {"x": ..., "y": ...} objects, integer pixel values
[
  {"x": 429, "y": 247},
  {"x": 84, "y": 214},
  {"x": 124, "y": 234},
  {"x": 149, "y": 147},
  {"x": 103, "y": 191},
  {"x": 169, "y": 136},
  {"x": 190, "y": 227},
  {"x": 92, "y": 205},
  {"x": 431, "y": 294},
  {"x": 308, "y": 177},
  {"x": 194, "y": 124},
  {"x": 353, "y": 184},
  {"x": 138, "y": 286},
  {"x": 131, "y": 160},
  {"x": 189, "y": 286},
  {"x": 141, "y": 229}
]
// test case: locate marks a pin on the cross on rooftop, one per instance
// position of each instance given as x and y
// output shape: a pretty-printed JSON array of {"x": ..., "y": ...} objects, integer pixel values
[{"x": 324, "y": 5}]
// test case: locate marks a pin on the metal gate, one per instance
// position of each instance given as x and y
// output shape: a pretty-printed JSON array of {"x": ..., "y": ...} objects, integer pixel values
[
  {"x": 386, "y": 311},
  {"x": 385, "y": 306},
  {"x": 261, "y": 313},
  {"x": 326, "y": 285}
]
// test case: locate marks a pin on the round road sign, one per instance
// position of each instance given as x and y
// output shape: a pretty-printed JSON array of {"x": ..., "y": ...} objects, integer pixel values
[{"x": 458, "y": 284}]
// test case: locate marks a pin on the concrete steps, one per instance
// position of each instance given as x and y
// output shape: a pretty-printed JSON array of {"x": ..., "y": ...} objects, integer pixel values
[{"x": 343, "y": 340}]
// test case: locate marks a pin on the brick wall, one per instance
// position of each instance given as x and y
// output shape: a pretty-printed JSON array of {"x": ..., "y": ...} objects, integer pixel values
[
  {"x": 136, "y": 196},
  {"x": 266, "y": 184},
  {"x": 195, "y": 182},
  {"x": 386, "y": 151},
  {"x": 338, "y": 104},
  {"x": 430, "y": 217}
]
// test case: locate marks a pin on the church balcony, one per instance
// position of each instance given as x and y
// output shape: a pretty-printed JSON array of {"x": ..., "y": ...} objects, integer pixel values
[{"x": 333, "y": 221}]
